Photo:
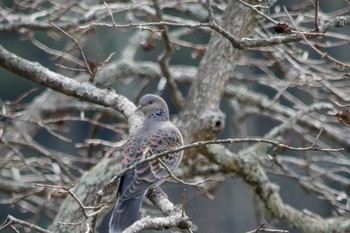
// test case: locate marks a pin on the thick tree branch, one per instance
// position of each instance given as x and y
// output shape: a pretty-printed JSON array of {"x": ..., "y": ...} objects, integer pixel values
[
  {"x": 83, "y": 91},
  {"x": 247, "y": 166},
  {"x": 175, "y": 216},
  {"x": 202, "y": 117}
]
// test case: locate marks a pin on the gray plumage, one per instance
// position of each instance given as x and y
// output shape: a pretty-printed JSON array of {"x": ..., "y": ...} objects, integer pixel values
[{"x": 156, "y": 134}]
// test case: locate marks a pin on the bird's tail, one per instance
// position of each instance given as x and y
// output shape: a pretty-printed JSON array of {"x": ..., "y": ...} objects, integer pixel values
[{"x": 125, "y": 213}]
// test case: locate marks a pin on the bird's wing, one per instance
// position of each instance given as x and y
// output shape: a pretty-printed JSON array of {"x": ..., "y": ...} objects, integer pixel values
[{"x": 153, "y": 173}]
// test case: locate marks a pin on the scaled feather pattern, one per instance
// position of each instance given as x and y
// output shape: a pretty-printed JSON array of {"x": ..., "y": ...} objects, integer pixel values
[{"x": 156, "y": 134}]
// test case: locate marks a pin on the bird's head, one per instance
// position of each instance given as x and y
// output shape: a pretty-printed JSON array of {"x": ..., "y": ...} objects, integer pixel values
[{"x": 153, "y": 106}]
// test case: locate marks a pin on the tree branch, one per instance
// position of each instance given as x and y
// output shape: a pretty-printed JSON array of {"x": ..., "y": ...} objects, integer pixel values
[{"x": 84, "y": 91}]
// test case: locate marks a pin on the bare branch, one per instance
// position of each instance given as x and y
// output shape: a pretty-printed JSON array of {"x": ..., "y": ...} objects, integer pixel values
[
  {"x": 84, "y": 91},
  {"x": 278, "y": 146},
  {"x": 87, "y": 65},
  {"x": 11, "y": 221},
  {"x": 289, "y": 87},
  {"x": 165, "y": 57}
]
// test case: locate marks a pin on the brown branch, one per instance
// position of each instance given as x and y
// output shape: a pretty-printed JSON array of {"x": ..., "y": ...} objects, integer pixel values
[
  {"x": 317, "y": 5},
  {"x": 198, "y": 184},
  {"x": 96, "y": 209},
  {"x": 342, "y": 65},
  {"x": 255, "y": 8},
  {"x": 76, "y": 42},
  {"x": 236, "y": 42},
  {"x": 57, "y": 53},
  {"x": 164, "y": 59}
]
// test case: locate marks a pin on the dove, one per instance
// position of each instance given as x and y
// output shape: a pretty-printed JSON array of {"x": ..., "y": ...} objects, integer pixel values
[{"x": 156, "y": 134}]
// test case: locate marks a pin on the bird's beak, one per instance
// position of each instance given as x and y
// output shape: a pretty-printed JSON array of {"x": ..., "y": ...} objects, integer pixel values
[{"x": 138, "y": 109}]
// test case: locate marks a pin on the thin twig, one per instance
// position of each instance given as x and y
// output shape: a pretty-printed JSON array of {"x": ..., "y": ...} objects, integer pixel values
[
  {"x": 87, "y": 65},
  {"x": 25, "y": 95},
  {"x": 164, "y": 59},
  {"x": 110, "y": 13},
  {"x": 183, "y": 203},
  {"x": 278, "y": 146},
  {"x": 197, "y": 184},
  {"x": 255, "y": 8},
  {"x": 10, "y": 221},
  {"x": 236, "y": 43},
  {"x": 96, "y": 209},
  {"x": 323, "y": 55},
  {"x": 262, "y": 228},
  {"x": 317, "y": 4}
]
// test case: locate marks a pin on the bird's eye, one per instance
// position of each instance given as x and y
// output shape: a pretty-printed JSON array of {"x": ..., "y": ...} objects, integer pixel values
[{"x": 150, "y": 102}]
